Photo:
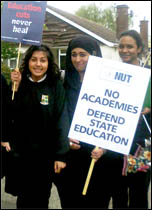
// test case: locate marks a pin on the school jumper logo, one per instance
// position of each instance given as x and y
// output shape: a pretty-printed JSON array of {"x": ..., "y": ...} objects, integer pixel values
[{"x": 45, "y": 100}]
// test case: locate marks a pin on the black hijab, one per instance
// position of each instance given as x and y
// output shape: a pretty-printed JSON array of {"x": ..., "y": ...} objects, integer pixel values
[
  {"x": 72, "y": 82},
  {"x": 72, "y": 77}
]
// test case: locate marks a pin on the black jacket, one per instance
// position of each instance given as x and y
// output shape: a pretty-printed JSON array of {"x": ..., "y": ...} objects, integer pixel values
[
  {"x": 5, "y": 110},
  {"x": 141, "y": 133},
  {"x": 38, "y": 136},
  {"x": 39, "y": 119},
  {"x": 5, "y": 123}
]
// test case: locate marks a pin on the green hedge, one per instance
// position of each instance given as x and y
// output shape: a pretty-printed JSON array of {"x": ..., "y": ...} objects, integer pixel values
[{"x": 6, "y": 71}]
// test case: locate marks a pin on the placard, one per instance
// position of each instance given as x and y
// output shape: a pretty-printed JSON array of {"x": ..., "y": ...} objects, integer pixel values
[
  {"x": 109, "y": 104},
  {"x": 22, "y": 21}
]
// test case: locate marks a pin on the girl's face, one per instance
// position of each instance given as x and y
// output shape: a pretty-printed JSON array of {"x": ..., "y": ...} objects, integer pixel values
[
  {"x": 38, "y": 65},
  {"x": 128, "y": 50},
  {"x": 79, "y": 58}
]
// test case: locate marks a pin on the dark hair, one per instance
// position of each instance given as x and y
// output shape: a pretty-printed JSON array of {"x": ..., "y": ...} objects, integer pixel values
[
  {"x": 136, "y": 36},
  {"x": 53, "y": 70}
]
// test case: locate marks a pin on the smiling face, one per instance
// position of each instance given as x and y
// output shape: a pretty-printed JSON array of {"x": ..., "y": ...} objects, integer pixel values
[
  {"x": 38, "y": 65},
  {"x": 128, "y": 50},
  {"x": 79, "y": 58}
]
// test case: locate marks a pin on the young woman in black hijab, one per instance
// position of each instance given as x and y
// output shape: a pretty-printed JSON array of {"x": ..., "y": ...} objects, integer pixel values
[
  {"x": 75, "y": 174},
  {"x": 73, "y": 178}
]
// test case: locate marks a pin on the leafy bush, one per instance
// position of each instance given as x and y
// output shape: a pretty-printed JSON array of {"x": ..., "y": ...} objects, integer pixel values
[{"x": 5, "y": 70}]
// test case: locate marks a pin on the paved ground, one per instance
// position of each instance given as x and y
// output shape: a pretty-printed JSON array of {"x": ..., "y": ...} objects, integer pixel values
[{"x": 9, "y": 202}]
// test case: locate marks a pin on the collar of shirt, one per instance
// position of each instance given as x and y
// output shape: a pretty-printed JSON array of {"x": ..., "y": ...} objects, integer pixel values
[
  {"x": 30, "y": 78},
  {"x": 141, "y": 63}
]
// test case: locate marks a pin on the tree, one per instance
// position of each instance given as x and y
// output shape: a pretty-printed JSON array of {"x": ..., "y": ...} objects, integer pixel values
[
  {"x": 8, "y": 50},
  {"x": 108, "y": 18},
  {"x": 91, "y": 12},
  {"x": 105, "y": 17}
]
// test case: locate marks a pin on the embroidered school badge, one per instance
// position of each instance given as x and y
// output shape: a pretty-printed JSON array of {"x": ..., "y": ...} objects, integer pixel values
[{"x": 45, "y": 100}]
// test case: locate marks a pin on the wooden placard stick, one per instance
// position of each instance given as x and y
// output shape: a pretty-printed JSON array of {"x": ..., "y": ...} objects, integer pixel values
[
  {"x": 89, "y": 175},
  {"x": 147, "y": 58},
  {"x": 147, "y": 124},
  {"x": 17, "y": 64}
]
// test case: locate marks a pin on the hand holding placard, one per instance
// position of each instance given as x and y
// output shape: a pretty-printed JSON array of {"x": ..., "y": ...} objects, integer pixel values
[{"x": 107, "y": 112}]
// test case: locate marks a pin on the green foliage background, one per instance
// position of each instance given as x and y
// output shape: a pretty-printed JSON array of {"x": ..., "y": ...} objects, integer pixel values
[
  {"x": 5, "y": 70},
  {"x": 105, "y": 17}
]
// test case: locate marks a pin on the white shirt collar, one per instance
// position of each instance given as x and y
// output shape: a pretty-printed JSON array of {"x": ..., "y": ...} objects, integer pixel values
[
  {"x": 141, "y": 63},
  {"x": 30, "y": 78}
]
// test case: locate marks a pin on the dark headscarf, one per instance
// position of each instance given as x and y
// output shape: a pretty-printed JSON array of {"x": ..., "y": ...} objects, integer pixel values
[
  {"x": 72, "y": 82},
  {"x": 86, "y": 43}
]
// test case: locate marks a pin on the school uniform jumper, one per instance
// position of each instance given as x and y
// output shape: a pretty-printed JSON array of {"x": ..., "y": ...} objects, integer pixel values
[{"x": 39, "y": 137}]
